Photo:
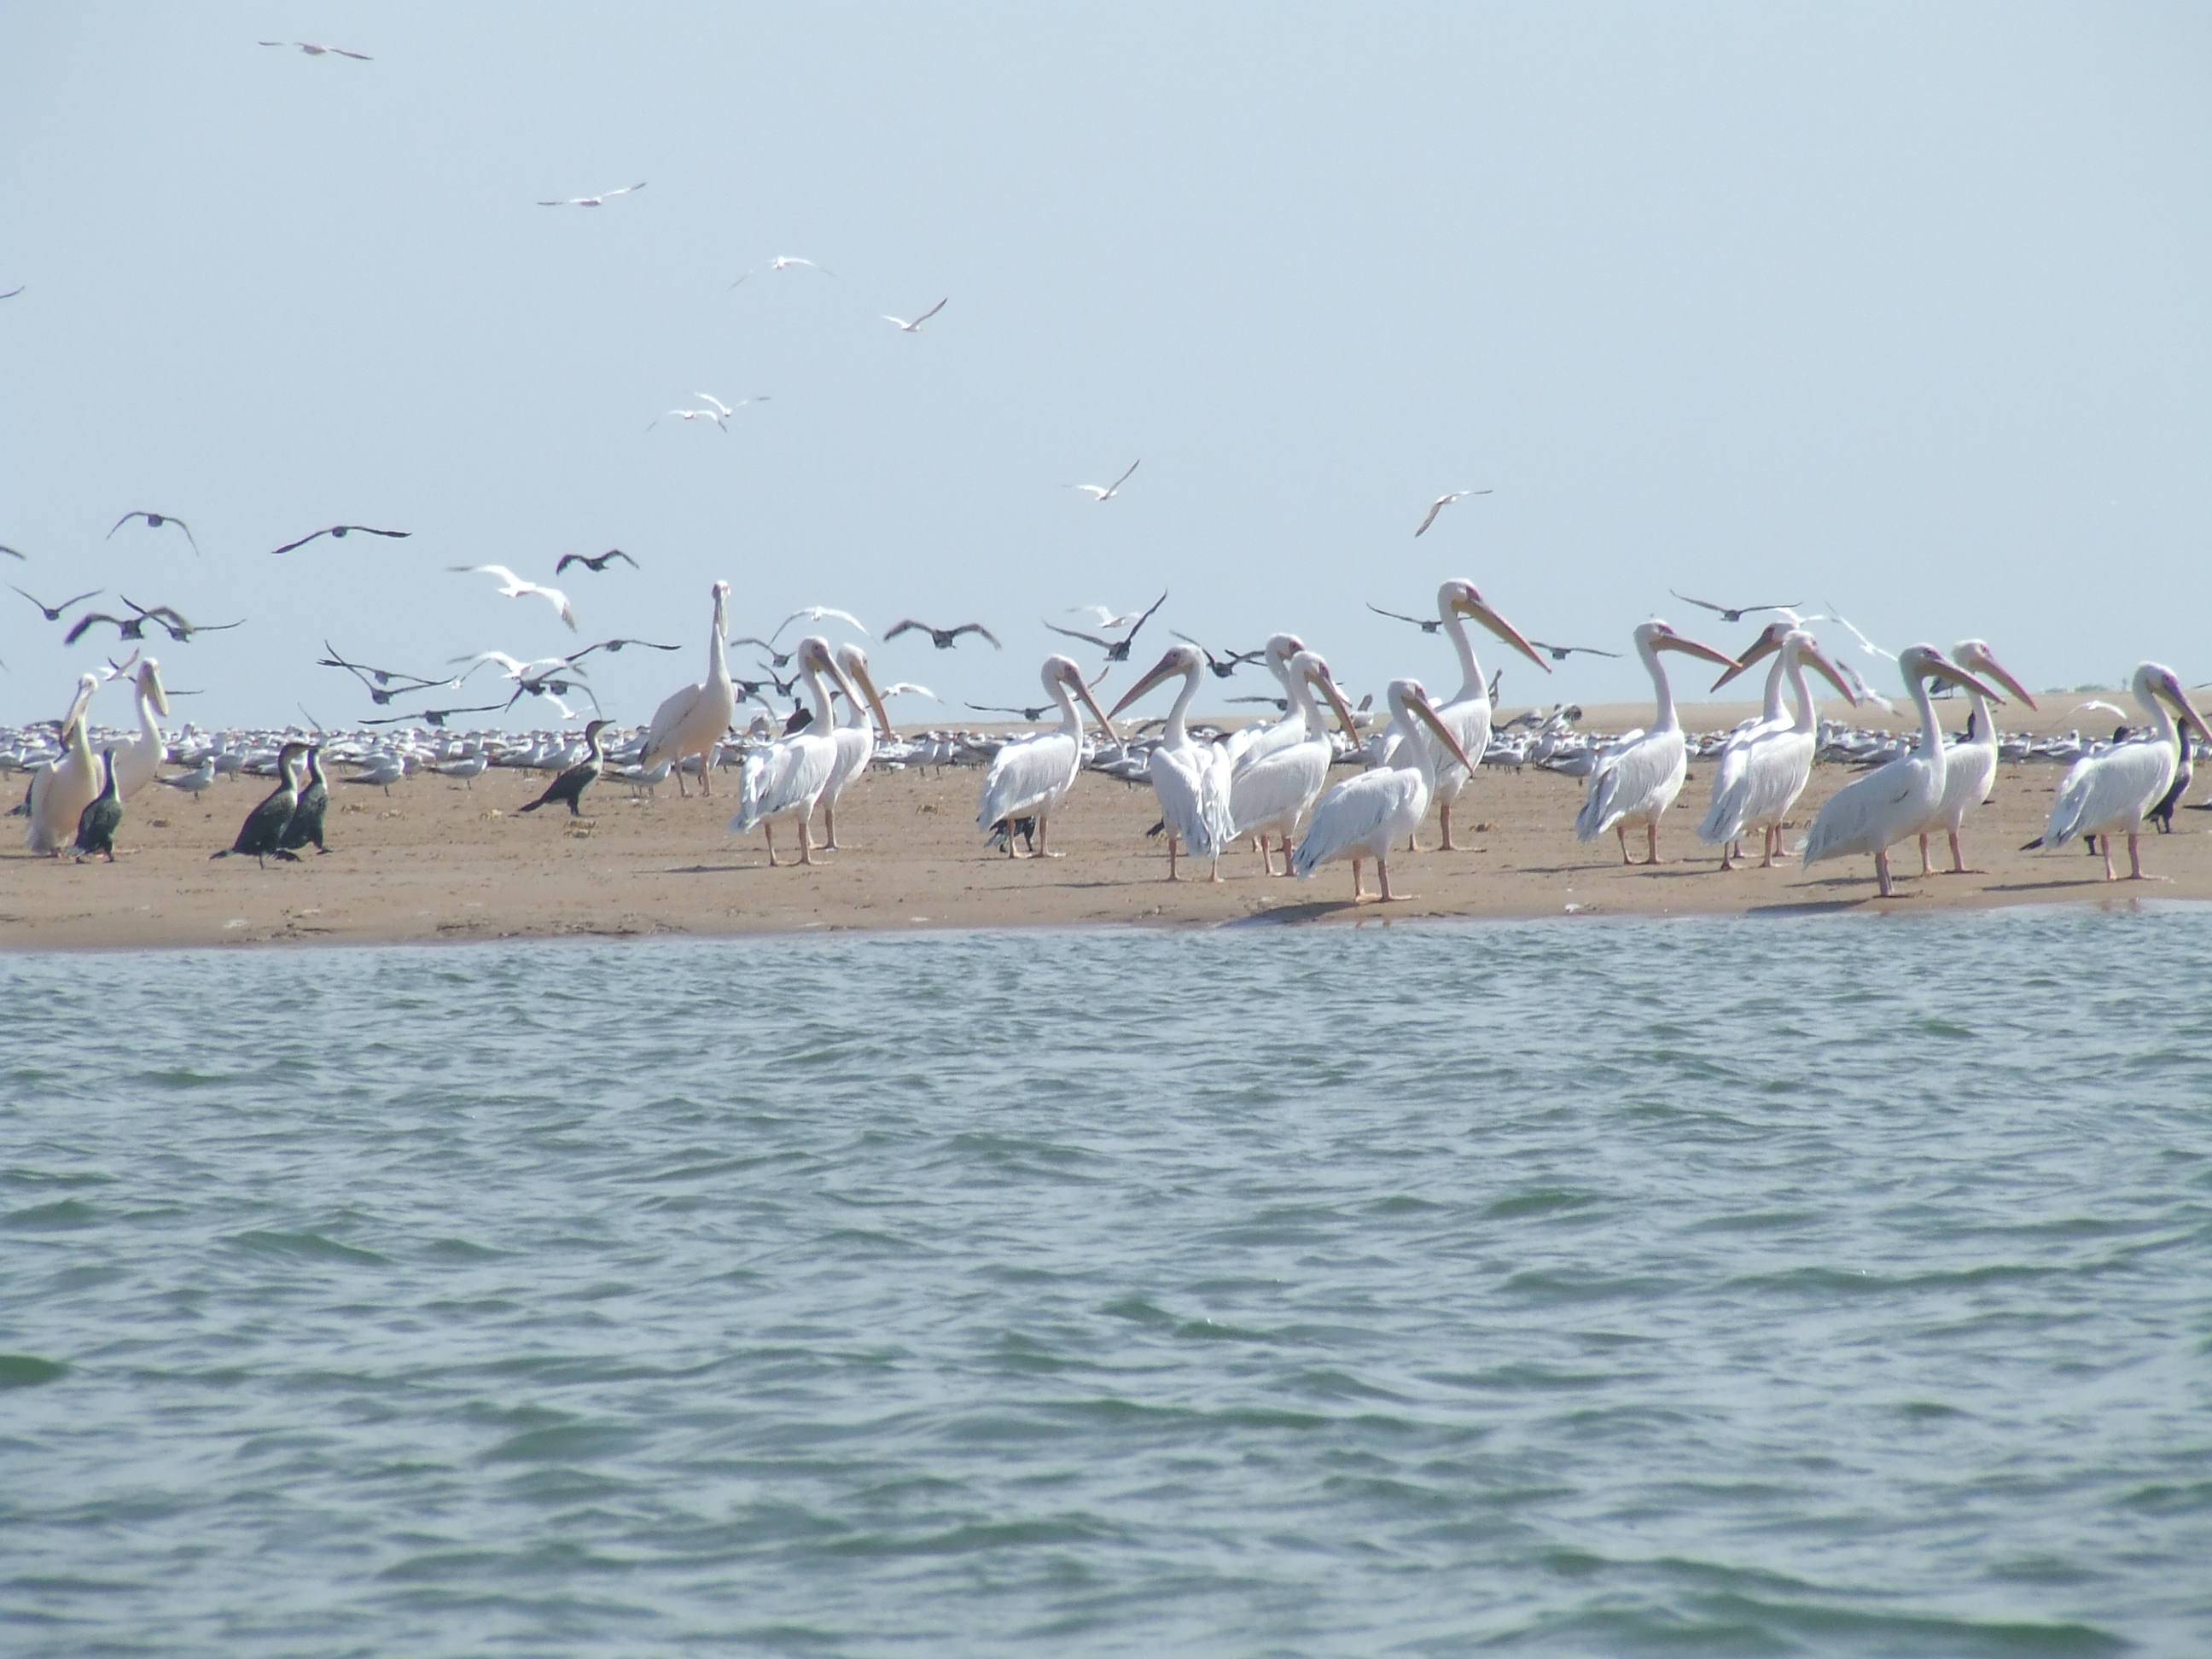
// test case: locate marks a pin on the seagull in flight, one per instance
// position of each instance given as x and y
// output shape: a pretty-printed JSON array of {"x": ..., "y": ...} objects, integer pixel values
[
  {"x": 1426, "y": 624},
  {"x": 1443, "y": 502},
  {"x": 1222, "y": 667},
  {"x": 943, "y": 638},
  {"x": 1865, "y": 644},
  {"x": 719, "y": 412},
  {"x": 1107, "y": 492},
  {"x": 1738, "y": 612},
  {"x": 314, "y": 51},
  {"x": 1107, "y": 619},
  {"x": 513, "y": 586},
  {"x": 1561, "y": 653},
  {"x": 1867, "y": 693},
  {"x": 154, "y": 521},
  {"x": 785, "y": 261},
  {"x": 596, "y": 566},
  {"x": 816, "y": 613},
  {"x": 601, "y": 200},
  {"x": 54, "y": 611},
  {"x": 914, "y": 326},
  {"x": 341, "y": 531}
]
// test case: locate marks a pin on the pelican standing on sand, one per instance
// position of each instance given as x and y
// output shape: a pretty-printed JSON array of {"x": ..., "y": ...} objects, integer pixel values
[
  {"x": 60, "y": 792},
  {"x": 1467, "y": 713},
  {"x": 855, "y": 738},
  {"x": 1970, "y": 766},
  {"x": 138, "y": 761},
  {"x": 1895, "y": 802},
  {"x": 1363, "y": 817},
  {"x": 691, "y": 721},
  {"x": 783, "y": 779},
  {"x": 2114, "y": 792},
  {"x": 1031, "y": 776},
  {"x": 1774, "y": 762},
  {"x": 1272, "y": 795},
  {"x": 1249, "y": 744},
  {"x": 1638, "y": 777},
  {"x": 1191, "y": 778}
]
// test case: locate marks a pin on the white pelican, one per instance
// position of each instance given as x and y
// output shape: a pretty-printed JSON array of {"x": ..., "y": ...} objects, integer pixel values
[
  {"x": 1774, "y": 762},
  {"x": 2112, "y": 791},
  {"x": 1636, "y": 780},
  {"x": 61, "y": 791},
  {"x": 1273, "y": 793},
  {"x": 1892, "y": 802},
  {"x": 1031, "y": 776},
  {"x": 1468, "y": 711},
  {"x": 785, "y": 779},
  {"x": 1362, "y": 817},
  {"x": 1970, "y": 766},
  {"x": 138, "y": 761},
  {"x": 692, "y": 721},
  {"x": 1191, "y": 778},
  {"x": 855, "y": 738},
  {"x": 1728, "y": 768}
]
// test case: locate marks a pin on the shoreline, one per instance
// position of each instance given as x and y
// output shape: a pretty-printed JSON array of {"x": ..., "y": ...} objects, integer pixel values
[{"x": 435, "y": 861}]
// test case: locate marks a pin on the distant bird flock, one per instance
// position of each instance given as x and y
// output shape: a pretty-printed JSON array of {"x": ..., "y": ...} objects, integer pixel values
[{"x": 1268, "y": 784}]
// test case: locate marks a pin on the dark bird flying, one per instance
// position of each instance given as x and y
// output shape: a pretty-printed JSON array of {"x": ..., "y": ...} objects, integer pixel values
[
  {"x": 154, "y": 521},
  {"x": 943, "y": 638},
  {"x": 596, "y": 566},
  {"x": 1116, "y": 650},
  {"x": 340, "y": 532}
]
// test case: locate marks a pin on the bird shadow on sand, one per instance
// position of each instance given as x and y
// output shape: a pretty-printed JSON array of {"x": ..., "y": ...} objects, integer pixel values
[
  {"x": 1810, "y": 907},
  {"x": 1292, "y": 916},
  {"x": 2047, "y": 886},
  {"x": 710, "y": 869}
]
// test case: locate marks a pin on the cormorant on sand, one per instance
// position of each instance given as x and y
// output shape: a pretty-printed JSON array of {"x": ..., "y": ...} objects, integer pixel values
[
  {"x": 262, "y": 832},
  {"x": 306, "y": 825},
  {"x": 570, "y": 787},
  {"x": 97, "y": 824}
]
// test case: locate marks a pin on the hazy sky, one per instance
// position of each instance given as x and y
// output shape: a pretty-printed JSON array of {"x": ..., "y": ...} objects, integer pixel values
[{"x": 1899, "y": 308}]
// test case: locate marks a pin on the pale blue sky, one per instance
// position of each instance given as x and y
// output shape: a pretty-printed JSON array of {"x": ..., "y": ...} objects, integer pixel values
[{"x": 1902, "y": 307}]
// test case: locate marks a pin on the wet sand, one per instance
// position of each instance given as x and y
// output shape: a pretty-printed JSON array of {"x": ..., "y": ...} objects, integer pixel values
[{"x": 435, "y": 860}]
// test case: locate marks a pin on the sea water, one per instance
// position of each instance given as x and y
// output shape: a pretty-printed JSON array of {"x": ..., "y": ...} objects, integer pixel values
[{"x": 1665, "y": 1287}]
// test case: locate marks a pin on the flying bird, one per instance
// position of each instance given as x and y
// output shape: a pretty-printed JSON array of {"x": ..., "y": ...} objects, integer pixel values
[
  {"x": 513, "y": 586},
  {"x": 154, "y": 521},
  {"x": 1107, "y": 619},
  {"x": 53, "y": 612},
  {"x": 943, "y": 638},
  {"x": 601, "y": 200},
  {"x": 615, "y": 645},
  {"x": 175, "y": 622},
  {"x": 1738, "y": 612},
  {"x": 916, "y": 325},
  {"x": 816, "y": 613},
  {"x": 1107, "y": 492},
  {"x": 1426, "y": 624},
  {"x": 315, "y": 51},
  {"x": 341, "y": 531},
  {"x": 1116, "y": 650},
  {"x": 1222, "y": 667},
  {"x": 1561, "y": 653},
  {"x": 10, "y": 295},
  {"x": 1865, "y": 644},
  {"x": 598, "y": 566},
  {"x": 1442, "y": 502},
  {"x": 785, "y": 261},
  {"x": 15, "y": 552}
]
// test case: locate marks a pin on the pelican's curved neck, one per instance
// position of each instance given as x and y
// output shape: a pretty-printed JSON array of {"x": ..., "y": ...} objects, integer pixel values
[
  {"x": 1306, "y": 706},
  {"x": 1986, "y": 724},
  {"x": 1808, "y": 721},
  {"x": 1471, "y": 683},
  {"x": 1931, "y": 729},
  {"x": 1177, "y": 735},
  {"x": 1071, "y": 717},
  {"x": 1664, "y": 719},
  {"x": 1412, "y": 754},
  {"x": 80, "y": 741},
  {"x": 718, "y": 666},
  {"x": 1770, "y": 714},
  {"x": 819, "y": 694},
  {"x": 2167, "y": 732},
  {"x": 149, "y": 727}
]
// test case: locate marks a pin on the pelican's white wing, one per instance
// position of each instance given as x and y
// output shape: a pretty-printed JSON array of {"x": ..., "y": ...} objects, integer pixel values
[
  {"x": 1275, "y": 791},
  {"x": 1633, "y": 779},
  {"x": 1355, "y": 816},
  {"x": 1874, "y": 813},
  {"x": 1028, "y": 774},
  {"x": 1970, "y": 770},
  {"x": 2108, "y": 793},
  {"x": 1193, "y": 785},
  {"x": 783, "y": 779}
]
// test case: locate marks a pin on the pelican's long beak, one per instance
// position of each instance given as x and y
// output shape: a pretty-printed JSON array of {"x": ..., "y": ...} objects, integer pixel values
[
  {"x": 1424, "y": 712},
  {"x": 1768, "y": 642},
  {"x": 1320, "y": 680},
  {"x": 1944, "y": 669},
  {"x": 1813, "y": 657},
  {"x": 1469, "y": 604},
  {"x": 156, "y": 693},
  {"x": 1690, "y": 647},
  {"x": 1996, "y": 671},
  {"x": 1166, "y": 668},
  {"x": 1091, "y": 702},
  {"x": 875, "y": 699},
  {"x": 2179, "y": 699}
]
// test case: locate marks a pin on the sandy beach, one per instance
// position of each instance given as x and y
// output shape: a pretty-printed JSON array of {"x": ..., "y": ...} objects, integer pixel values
[{"x": 435, "y": 860}]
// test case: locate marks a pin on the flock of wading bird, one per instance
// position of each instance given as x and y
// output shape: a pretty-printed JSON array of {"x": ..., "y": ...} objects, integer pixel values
[{"x": 1269, "y": 780}]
